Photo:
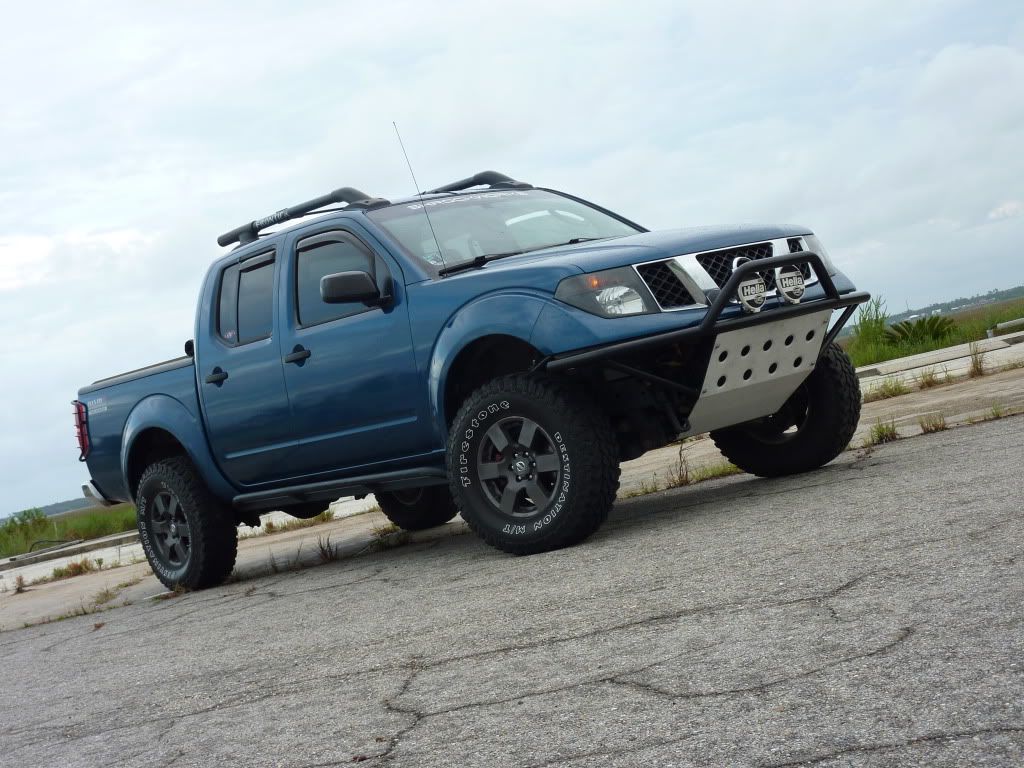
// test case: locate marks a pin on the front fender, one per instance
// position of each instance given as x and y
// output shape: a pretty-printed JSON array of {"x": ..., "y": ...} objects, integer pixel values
[
  {"x": 512, "y": 313},
  {"x": 166, "y": 413}
]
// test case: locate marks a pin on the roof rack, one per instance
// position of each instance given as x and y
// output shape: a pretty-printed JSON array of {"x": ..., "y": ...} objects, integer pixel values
[
  {"x": 247, "y": 233},
  {"x": 488, "y": 178}
]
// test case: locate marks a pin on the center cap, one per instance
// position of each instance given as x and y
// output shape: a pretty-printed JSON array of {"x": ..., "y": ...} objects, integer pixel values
[
  {"x": 174, "y": 529},
  {"x": 520, "y": 466}
]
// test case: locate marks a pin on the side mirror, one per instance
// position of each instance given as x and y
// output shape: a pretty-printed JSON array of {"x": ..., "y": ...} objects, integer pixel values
[
  {"x": 344, "y": 287},
  {"x": 190, "y": 348}
]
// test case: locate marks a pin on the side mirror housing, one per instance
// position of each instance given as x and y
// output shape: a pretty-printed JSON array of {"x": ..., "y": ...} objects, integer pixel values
[{"x": 345, "y": 287}]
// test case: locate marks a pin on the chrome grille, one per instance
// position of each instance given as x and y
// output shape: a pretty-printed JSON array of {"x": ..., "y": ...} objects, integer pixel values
[{"x": 668, "y": 291}]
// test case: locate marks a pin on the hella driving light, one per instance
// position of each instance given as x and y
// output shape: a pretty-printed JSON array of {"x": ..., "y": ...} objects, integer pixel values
[
  {"x": 814, "y": 244},
  {"x": 612, "y": 293}
]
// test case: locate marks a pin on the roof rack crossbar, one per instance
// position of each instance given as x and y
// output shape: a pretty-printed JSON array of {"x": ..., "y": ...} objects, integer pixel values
[
  {"x": 488, "y": 178},
  {"x": 247, "y": 233}
]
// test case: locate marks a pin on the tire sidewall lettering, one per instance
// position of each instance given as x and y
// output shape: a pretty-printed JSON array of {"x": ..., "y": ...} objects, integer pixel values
[{"x": 464, "y": 468}]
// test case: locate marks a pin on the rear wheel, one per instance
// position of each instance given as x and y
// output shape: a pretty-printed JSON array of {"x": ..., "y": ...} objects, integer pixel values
[
  {"x": 189, "y": 537},
  {"x": 813, "y": 427},
  {"x": 533, "y": 465},
  {"x": 416, "y": 509}
]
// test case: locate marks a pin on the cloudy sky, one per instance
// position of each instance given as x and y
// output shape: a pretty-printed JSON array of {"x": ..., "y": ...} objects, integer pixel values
[{"x": 133, "y": 134}]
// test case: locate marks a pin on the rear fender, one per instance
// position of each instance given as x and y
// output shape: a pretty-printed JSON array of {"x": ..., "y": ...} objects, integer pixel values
[{"x": 166, "y": 413}]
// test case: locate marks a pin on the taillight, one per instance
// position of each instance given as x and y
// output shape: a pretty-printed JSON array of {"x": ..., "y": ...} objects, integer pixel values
[{"x": 81, "y": 429}]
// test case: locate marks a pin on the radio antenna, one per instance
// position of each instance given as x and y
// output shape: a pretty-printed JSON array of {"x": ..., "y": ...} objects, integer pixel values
[{"x": 423, "y": 207}]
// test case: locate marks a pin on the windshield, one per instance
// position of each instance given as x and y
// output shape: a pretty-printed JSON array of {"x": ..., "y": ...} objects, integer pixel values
[{"x": 488, "y": 223}]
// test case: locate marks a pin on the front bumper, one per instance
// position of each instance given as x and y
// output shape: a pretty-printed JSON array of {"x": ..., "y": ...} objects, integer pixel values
[{"x": 712, "y": 325}]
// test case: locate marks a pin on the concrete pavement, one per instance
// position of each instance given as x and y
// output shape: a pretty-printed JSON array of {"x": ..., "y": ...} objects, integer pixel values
[{"x": 866, "y": 614}]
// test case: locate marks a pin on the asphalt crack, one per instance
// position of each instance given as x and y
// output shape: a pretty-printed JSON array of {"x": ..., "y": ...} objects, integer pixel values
[{"x": 888, "y": 746}]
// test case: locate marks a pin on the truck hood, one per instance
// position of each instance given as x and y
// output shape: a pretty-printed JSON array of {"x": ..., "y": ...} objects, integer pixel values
[{"x": 646, "y": 246}]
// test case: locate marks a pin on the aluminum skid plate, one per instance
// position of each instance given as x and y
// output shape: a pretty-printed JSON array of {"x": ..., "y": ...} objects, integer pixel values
[{"x": 753, "y": 371}]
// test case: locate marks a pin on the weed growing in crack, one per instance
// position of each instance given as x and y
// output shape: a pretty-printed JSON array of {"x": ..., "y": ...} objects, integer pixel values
[
  {"x": 977, "y": 361},
  {"x": 932, "y": 423},
  {"x": 885, "y": 390},
  {"x": 882, "y": 432},
  {"x": 327, "y": 552},
  {"x": 928, "y": 378}
]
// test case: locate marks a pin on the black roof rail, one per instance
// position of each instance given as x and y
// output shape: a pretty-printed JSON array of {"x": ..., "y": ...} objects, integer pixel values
[
  {"x": 247, "y": 233},
  {"x": 488, "y": 178}
]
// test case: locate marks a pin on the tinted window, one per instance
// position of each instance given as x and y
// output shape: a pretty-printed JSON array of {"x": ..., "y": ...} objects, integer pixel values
[
  {"x": 227, "y": 317},
  {"x": 342, "y": 255},
  {"x": 256, "y": 303}
]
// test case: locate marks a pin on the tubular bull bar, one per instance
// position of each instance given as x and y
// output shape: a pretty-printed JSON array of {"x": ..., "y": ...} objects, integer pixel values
[{"x": 713, "y": 325}]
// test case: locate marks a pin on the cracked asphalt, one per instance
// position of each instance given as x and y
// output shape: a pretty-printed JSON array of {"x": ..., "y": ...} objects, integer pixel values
[{"x": 867, "y": 614}]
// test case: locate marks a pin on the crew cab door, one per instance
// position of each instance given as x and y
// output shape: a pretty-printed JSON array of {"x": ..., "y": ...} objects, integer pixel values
[
  {"x": 238, "y": 366},
  {"x": 350, "y": 370}
]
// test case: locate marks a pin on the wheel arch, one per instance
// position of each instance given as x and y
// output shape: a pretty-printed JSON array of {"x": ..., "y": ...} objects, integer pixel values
[
  {"x": 159, "y": 427},
  {"x": 481, "y": 335}
]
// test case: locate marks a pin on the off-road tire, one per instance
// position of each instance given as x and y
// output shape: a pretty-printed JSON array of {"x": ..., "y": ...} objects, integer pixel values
[
  {"x": 417, "y": 509},
  {"x": 212, "y": 536},
  {"x": 572, "y": 433},
  {"x": 832, "y": 394}
]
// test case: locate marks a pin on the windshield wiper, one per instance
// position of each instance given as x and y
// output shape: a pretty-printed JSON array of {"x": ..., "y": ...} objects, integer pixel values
[
  {"x": 476, "y": 261},
  {"x": 479, "y": 261}
]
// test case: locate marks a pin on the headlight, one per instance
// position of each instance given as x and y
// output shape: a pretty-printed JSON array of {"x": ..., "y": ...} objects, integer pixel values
[
  {"x": 612, "y": 293},
  {"x": 814, "y": 244}
]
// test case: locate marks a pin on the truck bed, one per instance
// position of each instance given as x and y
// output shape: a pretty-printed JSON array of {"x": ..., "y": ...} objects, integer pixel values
[{"x": 109, "y": 404}]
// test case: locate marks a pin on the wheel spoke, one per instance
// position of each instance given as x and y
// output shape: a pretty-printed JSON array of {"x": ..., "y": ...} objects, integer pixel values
[
  {"x": 172, "y": 549},
  {"x": 160, "y": 502},
  {"x": 160, "y": 526},
  {"x": 527, "y": 433},
  {"x": 489, "y": 470},
  {"x": 536, "y": 494},
  {"x": 497, "y": 436},
  {"x": 548, "y": 462},
  {"x": 172, "y": 508},
  {"x": 508, "y": 499},
  {"x": 184, "y": 531}
]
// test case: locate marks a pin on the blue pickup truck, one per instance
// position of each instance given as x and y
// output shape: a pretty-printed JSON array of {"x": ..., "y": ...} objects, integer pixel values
[{"x": 489, "y": 348}]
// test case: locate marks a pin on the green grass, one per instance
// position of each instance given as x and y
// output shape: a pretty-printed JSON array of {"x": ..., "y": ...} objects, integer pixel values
[
  {"x": 18, "y": 532},
  {"x": 869, "y": 344},
  {"x": 888, "y": 388},
  {"x": 882, "y": 432}
]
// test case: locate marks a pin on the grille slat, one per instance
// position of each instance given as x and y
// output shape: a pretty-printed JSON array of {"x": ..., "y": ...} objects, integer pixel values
[
  {"x": 718, "y": 264},
  {"x": 669, "y": 292}
]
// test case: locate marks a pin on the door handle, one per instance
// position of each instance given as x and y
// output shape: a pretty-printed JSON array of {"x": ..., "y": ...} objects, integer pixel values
[
  {"x": 217, "y": 377},
  {"x": 299, "y": 355}
]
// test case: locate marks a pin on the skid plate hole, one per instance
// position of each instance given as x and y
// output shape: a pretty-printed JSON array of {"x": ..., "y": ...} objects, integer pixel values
[
  {"x": 745, "y": 351},
  {"x": 810, "y": 335},
  {"x": 721, "y": 381},
  {"x": 773, "y": 368},
  {"x": 767, "y": 345},
  {"x": 747, "y": 374},
  {"x": 789, "y": 340},
  {"x": 725, "y": 354},
  {"x": 796, "y": 363}
]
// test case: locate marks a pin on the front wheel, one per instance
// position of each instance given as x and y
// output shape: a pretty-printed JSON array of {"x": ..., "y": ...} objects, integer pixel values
[
  {"x": 533, "y": 465},
  {"x": 189, "y": 537},
  {"x": 814, "y": 425}
]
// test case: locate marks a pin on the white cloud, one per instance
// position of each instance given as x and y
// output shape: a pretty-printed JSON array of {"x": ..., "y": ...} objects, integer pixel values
[{"x": 1008, "y": 210}]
